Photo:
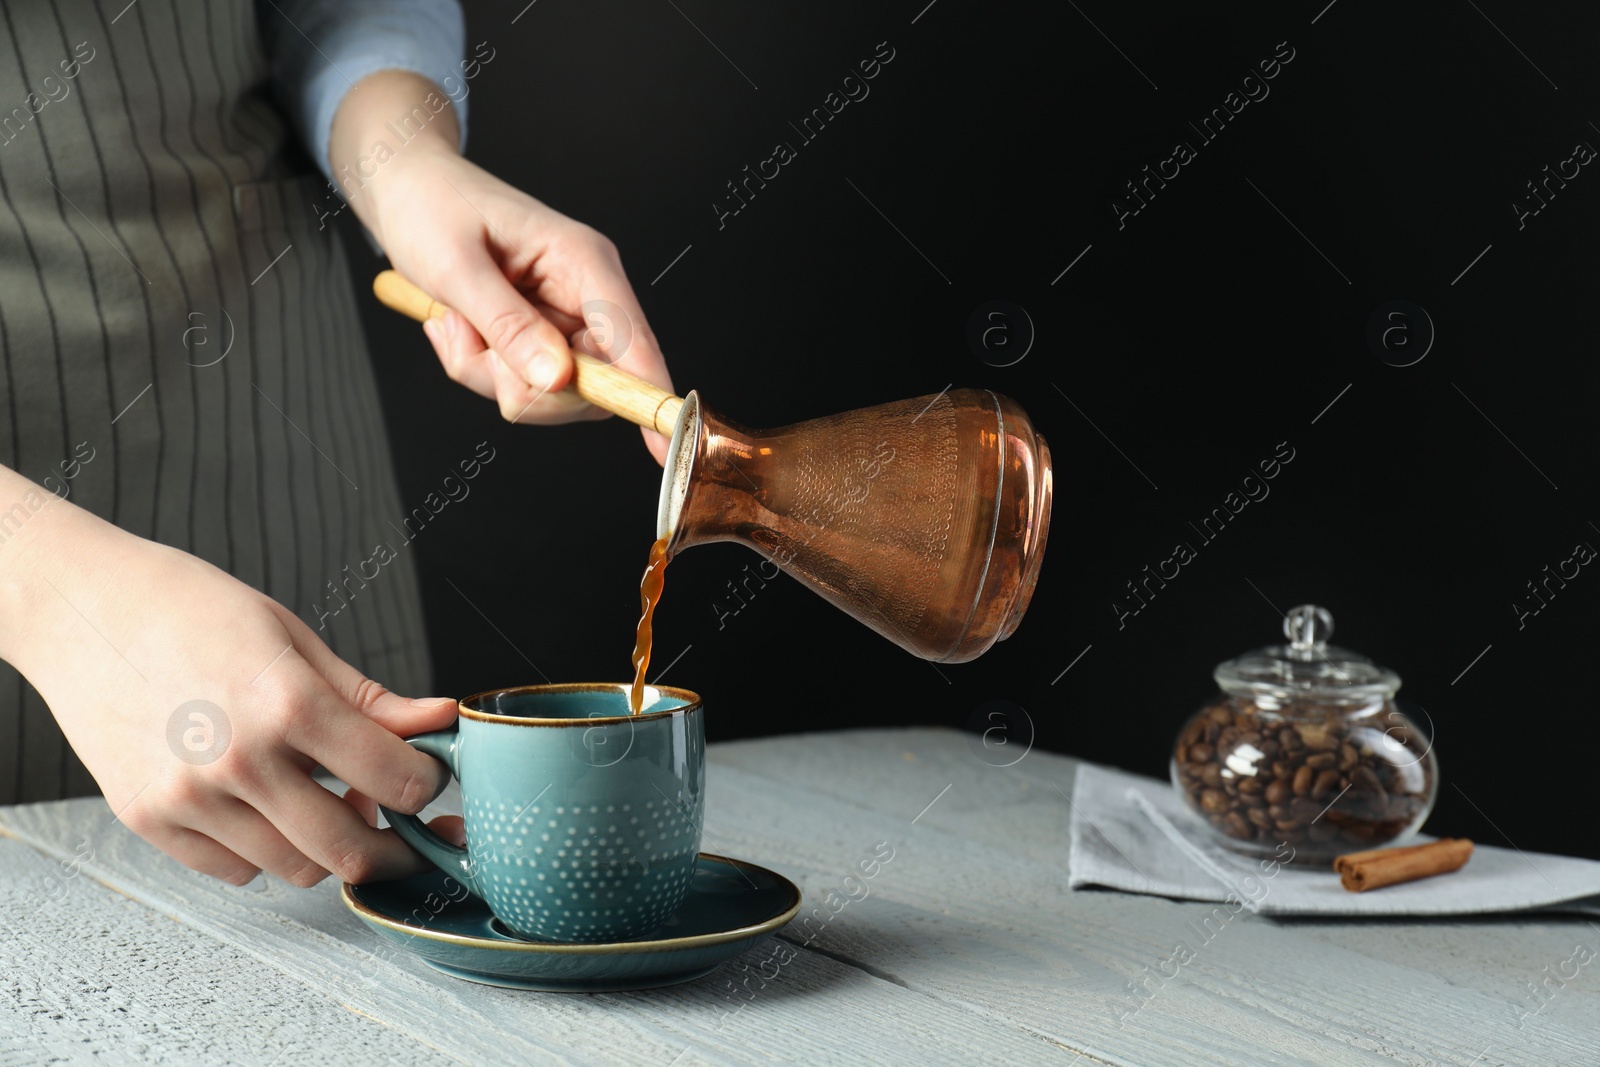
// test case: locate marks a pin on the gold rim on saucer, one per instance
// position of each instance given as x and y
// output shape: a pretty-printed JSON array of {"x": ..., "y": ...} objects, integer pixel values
[{"x": 595, "y": 948}]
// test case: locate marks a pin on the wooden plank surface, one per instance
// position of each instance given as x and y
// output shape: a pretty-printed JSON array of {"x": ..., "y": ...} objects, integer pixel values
[
  {"x": 992, "y": 853},
  {"x": 965, "y": 947}
]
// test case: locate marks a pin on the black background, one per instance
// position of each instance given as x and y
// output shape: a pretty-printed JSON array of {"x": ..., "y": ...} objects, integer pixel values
[{"x": 1197, "y": 337}]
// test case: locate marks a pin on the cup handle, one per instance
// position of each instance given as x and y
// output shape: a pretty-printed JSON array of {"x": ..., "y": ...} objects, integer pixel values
[{"x": 444, "y": 746}]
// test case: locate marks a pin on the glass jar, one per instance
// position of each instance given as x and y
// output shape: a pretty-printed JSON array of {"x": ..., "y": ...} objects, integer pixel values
[{"x": 1305, "y": 746}]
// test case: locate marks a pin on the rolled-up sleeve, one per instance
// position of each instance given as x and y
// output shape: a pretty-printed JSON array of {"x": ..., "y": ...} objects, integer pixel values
[{"x": 320, "y": 49}]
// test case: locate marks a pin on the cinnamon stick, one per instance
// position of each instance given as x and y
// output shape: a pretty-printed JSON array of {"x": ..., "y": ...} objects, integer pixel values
[
  {"x": 1342, "y": 863},
  {"x": 1376, "y": 868}
]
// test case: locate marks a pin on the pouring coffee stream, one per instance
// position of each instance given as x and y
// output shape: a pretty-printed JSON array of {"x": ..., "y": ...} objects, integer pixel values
[
  {"x": 650, "y": 587},
  {"x": 924, "y": 519}
]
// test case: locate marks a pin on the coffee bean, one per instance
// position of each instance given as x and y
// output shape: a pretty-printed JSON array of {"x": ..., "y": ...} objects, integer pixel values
[
  {"x": 1211, "y": 775},
  {"x": 1392, "y": 778},
  {"x": 1321, "y": 760},
  {"x": 1250, "y": 786},
  {"x": 1303, "y": 810},
  {"x": 1214, "y": 801},
  {"x": 1347, "y": 757},
  {"x": 1302, "y": 781},
  {"x": 1201, "y": 753},
  {"x": 1403, "y": 808},
  {"x": 1277, "y": 791},
  {"x": 1363, "y": 780},
  {"x": 1237, "y": 825},
  {"x": 1318, "y": 737},
  {"x": 1327, "y": 781},
  {"x": 1259, "y": 817}
]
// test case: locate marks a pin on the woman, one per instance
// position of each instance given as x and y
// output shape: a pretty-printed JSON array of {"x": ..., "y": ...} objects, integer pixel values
[{"x": 193, "y": 458}]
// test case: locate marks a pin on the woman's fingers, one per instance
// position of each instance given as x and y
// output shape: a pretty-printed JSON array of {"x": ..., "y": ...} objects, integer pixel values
[
  {"x": 329, "y": 730},
  {"x": 616, "y": 330},
  {"x": 567, "y": 324},
  {"x": 249, "y": 834},
  {"x": 517, "y": 347},
  {"x": 365, "y": 806},
  {"x": 464, "y": 367},
  {"x": 511, "y": 390},
  {"x": 329, "y": 831},
  {"x": 396, "y": 713},
  {"x": 448, "y": 827},
  {"x": 199, "y": 852},
  {"x": 332, "y": 714},
  {"x": 468, "y": 361},
  {"x": 506, "y": 321}
]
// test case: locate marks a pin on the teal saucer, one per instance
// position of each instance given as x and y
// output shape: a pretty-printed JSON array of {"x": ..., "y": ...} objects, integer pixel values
[{"x": 730, "y": 906}]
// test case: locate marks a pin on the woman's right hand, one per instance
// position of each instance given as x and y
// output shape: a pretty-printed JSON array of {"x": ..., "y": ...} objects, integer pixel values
[{"x": 120, "y": 635}]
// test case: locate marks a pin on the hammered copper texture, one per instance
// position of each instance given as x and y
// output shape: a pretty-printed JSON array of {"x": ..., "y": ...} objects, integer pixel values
[{"x": 902, "y": 515}]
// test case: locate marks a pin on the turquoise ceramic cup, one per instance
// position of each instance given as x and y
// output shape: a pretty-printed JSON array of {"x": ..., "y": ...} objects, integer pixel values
[{"x": 582, "y": 821}]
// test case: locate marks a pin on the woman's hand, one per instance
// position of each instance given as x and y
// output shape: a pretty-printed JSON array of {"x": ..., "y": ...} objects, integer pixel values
[
  {"x": 525, "y": 281},
  {"x": 201, "y": 706}
]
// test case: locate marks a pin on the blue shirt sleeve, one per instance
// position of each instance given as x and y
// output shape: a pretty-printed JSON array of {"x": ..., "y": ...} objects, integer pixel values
[{"x": 320, "y": 49}]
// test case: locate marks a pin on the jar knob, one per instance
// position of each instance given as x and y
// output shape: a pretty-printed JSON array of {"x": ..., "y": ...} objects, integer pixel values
[{"x": 1308, "y": 628}]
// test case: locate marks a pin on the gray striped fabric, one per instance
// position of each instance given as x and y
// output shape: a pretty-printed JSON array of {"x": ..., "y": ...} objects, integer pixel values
[{"x": 178, "y": 334}]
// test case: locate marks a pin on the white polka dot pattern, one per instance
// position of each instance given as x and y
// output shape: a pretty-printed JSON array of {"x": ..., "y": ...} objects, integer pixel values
[{"x": 578, "y": 872}]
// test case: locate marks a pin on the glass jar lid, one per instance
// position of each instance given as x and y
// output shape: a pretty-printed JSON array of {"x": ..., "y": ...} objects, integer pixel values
[{"x": 1307, "y": 668}]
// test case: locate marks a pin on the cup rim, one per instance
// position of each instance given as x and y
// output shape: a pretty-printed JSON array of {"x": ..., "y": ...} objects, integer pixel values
[{"x": 691, "y": 703}]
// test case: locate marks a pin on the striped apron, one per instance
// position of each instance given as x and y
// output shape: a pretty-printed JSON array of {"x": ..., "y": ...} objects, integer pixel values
[{"x": 179, "y": 344}]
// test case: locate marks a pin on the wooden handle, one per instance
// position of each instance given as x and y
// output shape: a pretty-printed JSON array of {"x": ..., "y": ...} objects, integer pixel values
[{"x": 599, "y": 383}]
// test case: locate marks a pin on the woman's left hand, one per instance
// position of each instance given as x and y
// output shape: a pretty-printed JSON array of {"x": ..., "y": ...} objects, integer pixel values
[{"x": 525, "y": 282}]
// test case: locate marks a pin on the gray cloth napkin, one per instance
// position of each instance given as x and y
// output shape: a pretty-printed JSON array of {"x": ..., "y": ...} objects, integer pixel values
[{"x": 1133, "y": 833}]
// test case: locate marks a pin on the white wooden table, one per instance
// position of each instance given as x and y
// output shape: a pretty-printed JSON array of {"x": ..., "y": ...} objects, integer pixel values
[{"x": 966, "y": 948}]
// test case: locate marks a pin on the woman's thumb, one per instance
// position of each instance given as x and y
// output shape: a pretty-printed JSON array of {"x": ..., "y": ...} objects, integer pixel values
[{"x": 526, "y": 341}]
